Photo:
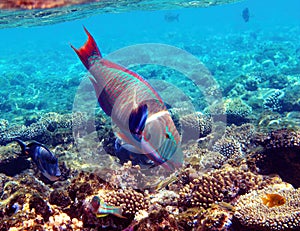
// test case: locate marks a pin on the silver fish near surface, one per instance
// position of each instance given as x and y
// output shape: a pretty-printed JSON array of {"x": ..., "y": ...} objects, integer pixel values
[{"x": 144, "y": 123}]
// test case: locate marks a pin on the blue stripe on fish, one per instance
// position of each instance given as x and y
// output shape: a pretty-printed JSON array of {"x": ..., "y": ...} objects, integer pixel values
[{"x": 137, "y": 121}]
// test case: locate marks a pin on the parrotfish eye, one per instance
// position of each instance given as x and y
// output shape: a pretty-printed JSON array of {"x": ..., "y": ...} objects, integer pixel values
[
  {"x": 168, "y": 136},
  {"x": 147, "y": 136}
]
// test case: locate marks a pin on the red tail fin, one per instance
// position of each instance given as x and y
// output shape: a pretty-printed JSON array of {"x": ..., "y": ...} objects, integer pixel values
[{"x": 88, "y": 50}]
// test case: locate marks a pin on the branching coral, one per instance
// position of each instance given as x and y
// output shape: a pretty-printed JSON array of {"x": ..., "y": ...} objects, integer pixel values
[
  {"x": 130, "y": 200},
  {"x": 220, "y": 185}
]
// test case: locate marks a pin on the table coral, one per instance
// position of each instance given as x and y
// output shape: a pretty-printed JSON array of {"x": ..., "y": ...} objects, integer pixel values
[{"x": 251, "y": 211}]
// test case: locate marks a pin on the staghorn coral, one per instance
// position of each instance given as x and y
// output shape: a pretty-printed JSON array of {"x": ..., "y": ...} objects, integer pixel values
[
  {"x": 224, "y": 184},
  {"x": 130, "y": 200},
  {"x": 251, "y": 211}
]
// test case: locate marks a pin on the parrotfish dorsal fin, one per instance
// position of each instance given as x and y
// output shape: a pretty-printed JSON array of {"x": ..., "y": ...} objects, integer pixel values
[
  {"x": 88, "y": 51},
  {"x": 137, "y": 120}
]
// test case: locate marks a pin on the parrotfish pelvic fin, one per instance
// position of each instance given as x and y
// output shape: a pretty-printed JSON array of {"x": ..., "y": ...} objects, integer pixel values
[
  {"x": 88, "y": 51},
  {"x": 137, "y": 121}
]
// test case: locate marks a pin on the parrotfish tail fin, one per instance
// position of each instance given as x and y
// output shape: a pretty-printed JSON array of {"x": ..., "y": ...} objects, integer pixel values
[
  {"x": 137, "y": 121},
  {"x": 22, "y": 145},
  {"x": 89, "y": 51}
]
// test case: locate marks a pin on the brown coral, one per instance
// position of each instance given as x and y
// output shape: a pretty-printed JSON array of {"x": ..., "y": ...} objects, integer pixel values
[
  {"x": 220, "y": 185},
  {"x": 130, "y": 200},
  {"x": 279, "y": 155},
  {"x": 216, "y": 218},
  {"x": 195, "y": 126},
  {"x": 158, "y": 220},
  {"x": 251, "y": 211}
]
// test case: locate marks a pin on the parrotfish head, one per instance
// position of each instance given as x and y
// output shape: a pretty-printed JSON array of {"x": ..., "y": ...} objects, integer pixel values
[
  {"x": 47, "y": 163},
  {"x": 160, "y": 141}
]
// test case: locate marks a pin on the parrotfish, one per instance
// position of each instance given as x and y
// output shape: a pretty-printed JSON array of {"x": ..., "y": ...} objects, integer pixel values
[
  {"x": 44, "y": 159},
  {"x": 101, "y": 209},
  {"x": 144, "y": 123}
]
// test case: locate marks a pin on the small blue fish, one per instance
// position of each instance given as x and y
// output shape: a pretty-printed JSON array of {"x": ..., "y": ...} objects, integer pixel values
[
  {"x": 101, "y": 209},
  {"x": 46, "y": 162}
]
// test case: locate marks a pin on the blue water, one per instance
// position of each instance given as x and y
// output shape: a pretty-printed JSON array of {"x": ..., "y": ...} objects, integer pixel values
[
  {"x": 50, "y": 66},
  {"x": 255, "y": 66}
]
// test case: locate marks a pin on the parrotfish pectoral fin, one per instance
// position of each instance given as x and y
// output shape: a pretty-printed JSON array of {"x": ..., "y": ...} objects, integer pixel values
[
  {"x": 89, "y": 51},
  {"x": 137, "y": 121}
]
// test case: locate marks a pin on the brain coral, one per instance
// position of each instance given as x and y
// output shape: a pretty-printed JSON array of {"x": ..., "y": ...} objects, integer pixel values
[
  {"x": 220, "y": 185},
  {"x": 252, "y": 212}
]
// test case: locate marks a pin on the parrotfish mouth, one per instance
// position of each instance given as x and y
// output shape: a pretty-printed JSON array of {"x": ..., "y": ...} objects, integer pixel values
[{"x": 144, "y": 123}]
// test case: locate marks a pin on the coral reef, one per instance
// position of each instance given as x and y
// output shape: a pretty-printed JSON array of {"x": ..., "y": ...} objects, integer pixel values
[
  {"x": 195, "y": 126},
  {"x": 215, "y": 218},
  {"x": 279, "y": 154},
  {"x": 224, "y": 184},
  {"x": 158, "y": 220},
  {"x": 228, "y": 147},
  {"x": 252, "y": 213},
  {"x": 273, "y": 101},
  {"x": 52, "y": 129},
  {"x": 235, "y": 110},
  {"x": 130, "y": 200}
]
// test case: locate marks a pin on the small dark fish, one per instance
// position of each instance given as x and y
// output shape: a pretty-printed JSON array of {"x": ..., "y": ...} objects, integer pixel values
[
  {"x": 171, "y": 17},
  {"x": 46, "y": 162},
  {"x": 246, "y": 14}
]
